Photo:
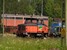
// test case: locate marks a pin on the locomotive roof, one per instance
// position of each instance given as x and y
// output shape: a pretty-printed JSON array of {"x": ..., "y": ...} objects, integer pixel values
[{"x": 24, "y": 16}]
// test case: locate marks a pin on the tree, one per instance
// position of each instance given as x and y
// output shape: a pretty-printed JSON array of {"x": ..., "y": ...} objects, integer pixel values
[
  {"x": 52, "y": 8},
  {"x": 1, "y": 6},
  {"x": 58, "y": 8},
  {"x": 49, "y": 7},
  {"x": 21, "y": 7}
]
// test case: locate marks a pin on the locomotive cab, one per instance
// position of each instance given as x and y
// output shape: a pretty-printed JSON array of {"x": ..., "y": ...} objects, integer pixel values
[
  {"x": 33, "y": 27},
  {"x": 21, "y": 31}
]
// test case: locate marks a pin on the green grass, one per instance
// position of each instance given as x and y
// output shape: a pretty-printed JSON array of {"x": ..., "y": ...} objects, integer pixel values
[{"x": 16, "y": 43}]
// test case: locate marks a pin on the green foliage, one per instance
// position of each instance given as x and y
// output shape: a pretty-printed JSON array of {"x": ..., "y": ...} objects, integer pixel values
[
  {"x": 58, "y": 8},
  {"x": 1, "y": 28},
  {"x": 1, "y": 4},
  {"x": 52, "y": 8},
  {"x": 49, "y": 7},
  {"x": 15, "y": 43}
]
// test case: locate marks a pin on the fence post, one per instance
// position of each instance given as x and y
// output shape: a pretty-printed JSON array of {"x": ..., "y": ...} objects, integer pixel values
[{"x": 66, "y": 21}]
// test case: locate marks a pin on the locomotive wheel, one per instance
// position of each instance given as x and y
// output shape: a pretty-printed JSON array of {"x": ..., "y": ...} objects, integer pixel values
[
  {"x": 45, "y": 34},
  {"x": 17, "y": 34},
  {"x": 42, "y": 35},
  {"x": 25, "y": 35},
  {"x": 33, "y": 35},
  {"x": 14, "y": 33}
]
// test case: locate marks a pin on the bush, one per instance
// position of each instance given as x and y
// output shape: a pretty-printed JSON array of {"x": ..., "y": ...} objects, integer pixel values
[{"x": 1, "y": 28}]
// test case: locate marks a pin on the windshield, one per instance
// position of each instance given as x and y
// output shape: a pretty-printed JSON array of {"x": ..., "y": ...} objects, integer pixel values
[
  {"x": 31, "y": 21},
  {"x": 34, "y": 21}
]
